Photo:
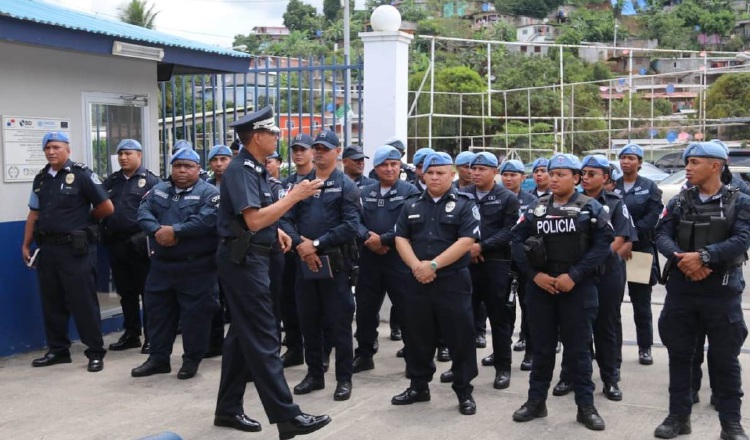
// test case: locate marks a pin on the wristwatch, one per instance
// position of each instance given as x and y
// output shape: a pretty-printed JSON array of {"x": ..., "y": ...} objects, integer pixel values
[
  {"x": 705, "y": 256},
  {"x": 316, "y": 243},
  {"x": 433, "y": 265}
]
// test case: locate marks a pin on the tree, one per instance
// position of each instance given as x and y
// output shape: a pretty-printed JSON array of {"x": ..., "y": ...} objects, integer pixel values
[
  {"x": 253, "y": 42},
  {"x": 300, "y": 16},
  {"x": 138, "y": 13},
  {"x": 729, "y": 96},
  {"x": 331, "y": 10},
  {"x": 529, "y": 8}
]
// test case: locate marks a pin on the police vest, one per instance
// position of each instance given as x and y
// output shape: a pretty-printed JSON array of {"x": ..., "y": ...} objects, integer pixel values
[
  {"x": 707, "y": 223},
  {"x": 565, "y": 239}
]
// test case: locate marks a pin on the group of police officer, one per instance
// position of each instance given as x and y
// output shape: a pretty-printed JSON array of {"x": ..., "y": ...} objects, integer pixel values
[{"x": 449, "y": 254}]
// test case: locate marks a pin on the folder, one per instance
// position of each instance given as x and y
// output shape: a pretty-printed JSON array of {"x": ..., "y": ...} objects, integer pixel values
[
  {"x": 638, "y": 268},
  {"x": 323, "y": 273}
]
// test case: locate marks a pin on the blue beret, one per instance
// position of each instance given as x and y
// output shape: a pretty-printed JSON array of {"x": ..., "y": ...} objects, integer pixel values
[
  {"x": 436, "y": 159},
  {"x": 539, "y": 162},
  {"x": 723, "y": 145},
  {"x": 219, "y": 150},
  {"x": 512, "y": 166},
  {"x": 179, "y": 145},
  {"x": 484, "y": 158},
  {"x": 328, "y": 139},
  {"x": 302, "y": 140},
  {"x": 354, "y": 152},
  {"x": 396, "y": 143},
  {"x": 129, "y": 144},
  {"x": 260, "y": 120},
  {"x": 595, "y": 161},
  {"x": 705, "y": 149},
  {"x": 565, "y": 161},
  {"x": 186, "y": 154},
  {"x": 465, "y": 158},
  {"x": 633, "y": 149},
  {"x": 420, "y": 155},
  {"x": 275, "y": 155},
  {"x": 386, "y": 152},
  {"x": 615, "y": 173},
  {"x": 55, "y": 136}
]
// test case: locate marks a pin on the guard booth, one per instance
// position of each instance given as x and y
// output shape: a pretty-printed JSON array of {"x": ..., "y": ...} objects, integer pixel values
[{"x": 97, "y": 80}]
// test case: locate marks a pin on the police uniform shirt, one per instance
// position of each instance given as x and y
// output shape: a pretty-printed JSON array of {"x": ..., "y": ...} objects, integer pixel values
[
  {"x": 277, "y": 188},
  {"x": 362, "y": 181},
  {"x": 535, "y": 192},
  {"x": 433, "y": 226},
  {"x": 644, "y": 204},
  {"x": 64, "y": 200},
  {"x": 126, "y": 195},
  {"x": 421, "y": 187},
  {"x": 407, "y": 173},
  {"x": 619, "y": 217},
  {"x": 720, "y": 253},
  {"x": 499, "y": 212},
  {"x": 245, "y": 185},
  {"x": 381, "y": 211}
]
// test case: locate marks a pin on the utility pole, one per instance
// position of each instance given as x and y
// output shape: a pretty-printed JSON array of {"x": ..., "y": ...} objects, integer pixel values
[{"x": 347, "y": 77}]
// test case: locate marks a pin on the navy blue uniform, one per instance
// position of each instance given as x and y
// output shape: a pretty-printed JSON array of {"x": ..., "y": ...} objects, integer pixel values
[
  {"x": 181, "y": 286},
  {"x": 363, "y": 181},
  {"x": 128, "y": 254},
  {"x": 66, "y": 272},
  {"x": 644, "y": 205},
  {"x": 251, "y": 346},
  {"x": 525, "y": 200},
  {"x": 407, "y": 173},
  {"x": 576, "y": 240},
  {"x": 288, "y": 302},
  {"x": 442, "y": 307},
  {"x": 491, "y": 278},
  {"x": 333, "y": 218},
  {"x": 277, "y": 259},
  {"x": 712, "y": 305},
  {"x": 380, "y": 273}
]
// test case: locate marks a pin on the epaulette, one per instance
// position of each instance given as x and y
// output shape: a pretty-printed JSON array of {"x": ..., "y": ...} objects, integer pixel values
[
  {"x": 250, "y": 164},
  {"x": 80, "y": 165},
  {"x": 414, "y": 196},
  {"x": 152, "y": 173},
  {"x": 611, "y": 194},
  {"x": 274, "y": 180}
]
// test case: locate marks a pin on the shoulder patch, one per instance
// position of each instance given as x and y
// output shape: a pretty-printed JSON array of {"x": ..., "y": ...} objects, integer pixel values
[
  {"x": 80, "y": 165},
  {"x": 215, "y": 200},
  {"x": 95, "y": 179},
  {"x": 475, "y": 212}
]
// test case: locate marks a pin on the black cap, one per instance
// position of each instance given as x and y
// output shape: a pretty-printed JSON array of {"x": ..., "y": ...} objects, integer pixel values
[
  {"x": 260, "y": 120},
  {"x": 235, "y": 146},
  {"x": 328, "y": 139},
  {"x": 302, "y": 140},
  {"x": 396, "y": 143},
  {"x": 354, "y": 152}
]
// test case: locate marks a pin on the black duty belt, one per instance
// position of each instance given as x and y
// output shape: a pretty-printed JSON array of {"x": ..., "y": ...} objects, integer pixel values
[
  {"x": 257, "y": 249},
  {"x": 558, "y": 267},
  {"x": 184, "y": 259},
  {"x": 55, "y": 239},
  {"x": 497, "y": 255}
]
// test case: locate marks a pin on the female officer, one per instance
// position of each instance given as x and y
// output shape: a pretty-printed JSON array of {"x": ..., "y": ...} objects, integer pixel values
[
  {"x": 643, "y": 199},
  {"x": 561, "y": 242}
]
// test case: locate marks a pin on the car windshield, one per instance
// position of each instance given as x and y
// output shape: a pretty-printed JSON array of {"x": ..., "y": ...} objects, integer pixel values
[{"x": 677, "y": 177}]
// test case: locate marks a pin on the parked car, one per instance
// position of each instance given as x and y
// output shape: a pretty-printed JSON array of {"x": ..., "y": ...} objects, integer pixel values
[
  {"x": 647, "y": 170},
  {"x": 672, "y": 185}
]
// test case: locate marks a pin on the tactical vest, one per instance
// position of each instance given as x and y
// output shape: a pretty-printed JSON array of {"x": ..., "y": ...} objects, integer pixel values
[
  {"x": 565, "y": 239},
  {"x": 707, "y": 223}
]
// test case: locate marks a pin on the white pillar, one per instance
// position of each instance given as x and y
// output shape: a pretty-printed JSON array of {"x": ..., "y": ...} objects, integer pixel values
[{"x": 386, "y": 81}]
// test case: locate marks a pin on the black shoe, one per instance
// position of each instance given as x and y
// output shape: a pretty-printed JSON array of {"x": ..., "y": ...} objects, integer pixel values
[
  {"x": 240, "y": 422},
  {"x": 95, "y": 365},
  {"x": 696, "y": 397},
  {"x": 149, "y": 368},
  {"x": 481, "y": 341},
  {"x": 212, "y": 352},
  {"x": 466, "y": 405},
  {"x": 558, "y": 349},
  {"x": 532, "y": 409},
  {"x": 526, "y": 363},
  {"x": 520, "y": 345},
  {"x": 291, "y": 358},
  {"x": 146, "y": 349},
  {"x": 644, "y": 357},
  {"x": 562, "y": 388},
  {"x": 400, "y": 352},
  {"x": 126, "y": 341},
  {"x": 443, "y": 355},
  {"x": 612, "y": 391},
  {"x": 712, "y": 400},
  {"x": 447, "y": 377},
  {"x": 187, "y": 371},
  {"x": 343, "y": 390},
  {"x": 309, "y": 384},
  {"x": 489, "y": 360},
  {"x": 590, "y": 417},
  {"x": 673, "y": 426},
  {"x": 396, "y": 334},
  {"x": 411, "y": 396},
  {"x": 732, "y": 431},
  {"x": 502, "y": 380},
  {"x": 361, "y": 363},
  {"x": 301, "y": 425},
  {"x": 51, "y": 359}
]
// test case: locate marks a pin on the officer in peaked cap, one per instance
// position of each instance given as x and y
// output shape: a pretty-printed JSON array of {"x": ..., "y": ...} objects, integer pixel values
[
  {"x": 560, "y": 244},
  {"x": 353, "y": 159}
]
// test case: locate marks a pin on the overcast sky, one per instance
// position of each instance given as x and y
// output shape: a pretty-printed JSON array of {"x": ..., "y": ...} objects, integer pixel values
[{"x": 210, "y": 21}]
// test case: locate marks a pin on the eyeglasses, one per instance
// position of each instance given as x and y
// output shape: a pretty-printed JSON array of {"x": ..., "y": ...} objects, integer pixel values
[{"x": 591, "y": 173}]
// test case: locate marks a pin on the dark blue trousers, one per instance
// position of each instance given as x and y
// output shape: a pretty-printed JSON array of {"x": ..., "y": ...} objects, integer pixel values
[
  {"x": 640, "y": 297},
  {"x": 129, "y": 271},
  {"x": 490, "y": 286}
]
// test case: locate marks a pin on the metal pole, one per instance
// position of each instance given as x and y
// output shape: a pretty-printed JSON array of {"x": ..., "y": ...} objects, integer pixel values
[
  {"x": 461, "y": 119},
  {"x": 489, "y": 80},
  {"x": 572, "y": 118},
  {"x": 505, "y": 105},
  {"x": 528, "y": 113},
  {"x": 347, "y": 77},
  {"x": 630, "y": 94},
  {"x": 562, "y": 105},
  {"x": 653, "y": 98},
  {"x": 703, "y": 95},
  {"x": 432, "y": 93}
]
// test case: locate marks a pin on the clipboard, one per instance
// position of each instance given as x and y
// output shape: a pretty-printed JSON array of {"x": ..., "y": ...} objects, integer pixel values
[
  {"x": 638, "y": 268},
  {"x": 323, "y": 273}
]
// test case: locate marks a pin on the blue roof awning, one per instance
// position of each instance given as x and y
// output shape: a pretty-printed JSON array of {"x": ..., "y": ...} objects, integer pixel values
[{"x": 44, "y": 24}]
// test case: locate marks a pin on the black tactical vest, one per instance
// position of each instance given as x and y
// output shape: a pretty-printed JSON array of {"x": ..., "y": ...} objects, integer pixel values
[{"x": 566, "y": 240}]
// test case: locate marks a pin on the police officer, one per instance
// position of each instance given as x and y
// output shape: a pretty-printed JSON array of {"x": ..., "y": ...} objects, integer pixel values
[
  {"x": 419, "y": 157},
  {"x": 179, "y": 216},
  {"x": 643, "y": 200},
  {"x": 354, "y": 165},
  {"x": 218, "y": 159},
  {"x": 273, "y": 166},
  {"x": 277, "y": 258},
  {"x": 610, "y": 285},
  {"x": 705, "y": 233},
  {"x": 248, "y": 225},
  {"x": 183, "y": 144},
  {"x": 408, "y": 171},
  {"x": 434, "y": 235},
  {"x": 463, "y": 169},
  {"x": 381, "y": 269},
  {"x": 541, "y": 177},
  {"x": 567, "y": 235},
  {"x": 61, "y": 221},
  {"x": 128, "y": 253},
  {"x": 326, "y": 226}
]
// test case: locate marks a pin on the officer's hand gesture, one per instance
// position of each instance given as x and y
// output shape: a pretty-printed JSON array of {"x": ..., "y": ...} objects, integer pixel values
[
  {"x": 306, "y": 248},
  {"x": 424, "y": 273},
  {"x": 564, "y": 283},
  {"x": 626, "y": 251},
  {"x": 313, "y": 262},
  {"x": 374, "y": 244},
  {"x": 546, "y": 283},
  {"x": 305, "y": 189},
  {"x": 165, "y": 236},
  {"x": 688, "y": 262},
  {"x": 285, "y": 241},
  {"x": 476, "y": 253}
]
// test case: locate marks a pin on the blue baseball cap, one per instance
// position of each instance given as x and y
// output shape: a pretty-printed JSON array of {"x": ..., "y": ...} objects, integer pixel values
[
  {"x": 182, "y": 144},
  {"x": 705, "y": 149},
  {"x": 327, "y": 138},
  {"x": 633, "y": 149},
  {"x": 436, "y": 159},
  {"x": 539, "y": 162},
  {"x": 129, "y": 144},
  {"x": 275, "y": 155},
  {"x": 484, "y": 158},
  {"x": 396, "y": 143},
  {"x": 186, "y": 154},
  {"x": 302, "y": 140},
  {"x": 564, "y": 161},
  {"x": 354, "y": 152},
  {"x": 219, "y": 150},
  {"x": 512, "y": 166},
  {"x": 386, "y": 152},
  {"x": 596, "y": 161},
  {"x": 421, "y": 154},
  {"x": 55, "y": 136},
  {"x": 465, "y": 158}
]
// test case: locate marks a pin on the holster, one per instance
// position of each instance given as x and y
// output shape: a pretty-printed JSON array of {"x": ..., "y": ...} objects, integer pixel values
[
  {"x": 336, "y": 257},
  {"x": 239, "y": 247},
  {"x": 353, "y": 276},
  {"x": 138, "y": 243},
  {"x": 79, "y": 243},
  {"x": 667, "y": 269},
  {"x": 535, "y": 252}
]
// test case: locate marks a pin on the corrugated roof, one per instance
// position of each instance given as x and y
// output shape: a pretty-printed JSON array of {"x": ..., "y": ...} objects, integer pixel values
[{"x": 49, "y": 14}]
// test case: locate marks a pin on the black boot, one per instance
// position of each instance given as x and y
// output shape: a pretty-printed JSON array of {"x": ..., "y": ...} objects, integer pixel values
[
  {"x": 589, "y": 416},
  {"x": 532, "y": 409},
  {"x": 732, "y": 431},
  {"x": 673, "y": 426}
]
